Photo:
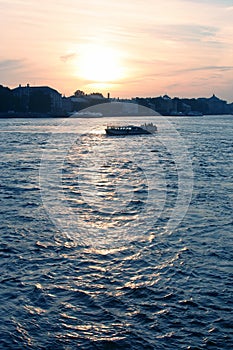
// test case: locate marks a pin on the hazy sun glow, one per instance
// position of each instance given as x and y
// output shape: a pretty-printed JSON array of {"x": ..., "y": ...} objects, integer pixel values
[{"x": 99, "y": 64}]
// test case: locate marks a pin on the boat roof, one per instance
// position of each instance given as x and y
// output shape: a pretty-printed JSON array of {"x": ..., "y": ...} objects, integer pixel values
[{"x": 123, "y": 126}]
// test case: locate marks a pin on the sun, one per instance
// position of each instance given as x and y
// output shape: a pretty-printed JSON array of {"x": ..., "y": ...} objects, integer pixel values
[{"x": 99, "y": 64}]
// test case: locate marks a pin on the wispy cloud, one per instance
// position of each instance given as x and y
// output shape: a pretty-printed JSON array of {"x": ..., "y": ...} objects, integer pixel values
[
  {"x": 213, "y": 2},
  {"x": 208, "y": 68},
  {"x": 68, "y": 57},
  {"x": 183, "y": 32},
  {"x": 11, "y": 64}
]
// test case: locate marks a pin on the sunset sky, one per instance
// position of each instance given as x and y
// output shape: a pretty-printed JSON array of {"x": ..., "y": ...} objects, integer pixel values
[{"x": 128, "y": 48}]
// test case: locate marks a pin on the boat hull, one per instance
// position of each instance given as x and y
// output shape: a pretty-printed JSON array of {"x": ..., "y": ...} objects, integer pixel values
[{"x": 126, "y": 131}]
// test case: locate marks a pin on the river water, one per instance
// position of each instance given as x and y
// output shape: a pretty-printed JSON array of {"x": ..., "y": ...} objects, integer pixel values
[{"x": 116, "y": 242}]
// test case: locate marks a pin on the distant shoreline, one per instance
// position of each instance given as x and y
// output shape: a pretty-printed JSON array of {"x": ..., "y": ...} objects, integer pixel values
[{"x": 41, "y": 116}]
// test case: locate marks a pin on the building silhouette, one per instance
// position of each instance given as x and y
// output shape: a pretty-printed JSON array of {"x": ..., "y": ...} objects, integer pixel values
[
  {"x": 44, "y": 100},
  {"x": 37, "y": 99}
]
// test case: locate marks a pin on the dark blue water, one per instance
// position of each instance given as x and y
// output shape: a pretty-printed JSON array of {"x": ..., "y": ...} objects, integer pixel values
[{"x": 150, "y": 287}]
